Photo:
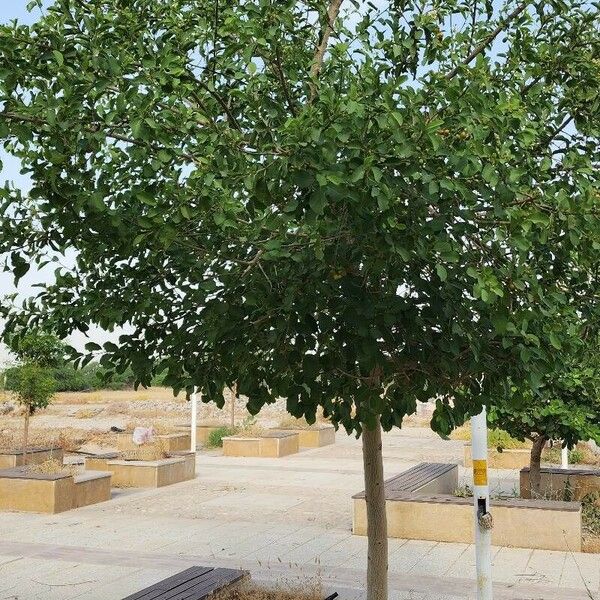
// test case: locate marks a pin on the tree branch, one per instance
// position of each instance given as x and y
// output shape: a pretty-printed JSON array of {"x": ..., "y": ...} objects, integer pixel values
[
  {"x": 332, "y": 13},
  {"x": 489, "y": 39}
]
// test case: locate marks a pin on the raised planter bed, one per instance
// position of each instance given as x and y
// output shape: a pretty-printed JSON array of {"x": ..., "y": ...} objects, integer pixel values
[
  {"x": 315, "y": 437},
  {"x": 562, "y": 484},
  {"x": 420, "y": 506},
  {"x": 21, "y": 490},
  {"x": 14, "y": 458},
  {"x": 513, "y": 458},
  {"x": 171, "y": 442},
  {"x": 273, "y": 444},
  {"x": 178, "y": 467},
  {"x": 202, "y": 431}
]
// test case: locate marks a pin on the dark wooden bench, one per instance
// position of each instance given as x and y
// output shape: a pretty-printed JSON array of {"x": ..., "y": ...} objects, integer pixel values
[
  {"x": 194, "y": 583},
  {"x": 427, "y": 478}
]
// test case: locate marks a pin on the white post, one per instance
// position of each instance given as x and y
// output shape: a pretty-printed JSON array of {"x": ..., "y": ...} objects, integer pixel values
[
  {"x": 481, "y": 498},
  {"x": 564, "y": 458},
  {"x": 194, "y": 420}
]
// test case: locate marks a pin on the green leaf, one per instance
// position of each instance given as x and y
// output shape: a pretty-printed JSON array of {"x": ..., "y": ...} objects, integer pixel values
[{"x": 441, "y": 271}]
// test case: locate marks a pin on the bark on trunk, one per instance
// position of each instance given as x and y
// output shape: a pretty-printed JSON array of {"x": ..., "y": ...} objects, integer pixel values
[
  {"x": 25, "y": 434},
  {"x": 535, "y": 476},
  {"x": 232, "y": 408},
  {"x": 377, "y": 567}
]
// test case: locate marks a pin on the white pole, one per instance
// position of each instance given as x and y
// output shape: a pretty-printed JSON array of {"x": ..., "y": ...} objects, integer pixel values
[
  {"x": 564, "y": 458},
  {"x": 194, "y": 420},
  {"x": 481, "y": 497}
]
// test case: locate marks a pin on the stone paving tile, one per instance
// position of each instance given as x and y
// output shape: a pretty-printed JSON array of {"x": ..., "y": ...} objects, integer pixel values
[
  {"x": 308, "y": 552},
  {"x": 345, "y": 551},
  {"x": 546, "y": 566},
  {"x": 439, "y": 559},
  {"x": 409, "y": 554},
  {"x": 510, "y": 565},
  {"x": 464, "y": 566},
  {"x": 28, "y": 577},
  {"x": 283, "y": 546},
  {"x": 581, "y": 571}
]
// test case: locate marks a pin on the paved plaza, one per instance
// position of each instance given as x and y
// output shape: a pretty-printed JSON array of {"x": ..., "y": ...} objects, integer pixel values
[{"x": 286, "y": 520}]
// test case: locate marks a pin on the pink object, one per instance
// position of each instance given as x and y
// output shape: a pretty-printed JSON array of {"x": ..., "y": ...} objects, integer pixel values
[{"x": 143, "y": 435}]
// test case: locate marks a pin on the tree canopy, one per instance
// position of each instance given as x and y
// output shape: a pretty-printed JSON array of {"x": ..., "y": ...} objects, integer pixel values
[
  {"x": 565, "y": 407},
  {"x": 357, "y": 210}
]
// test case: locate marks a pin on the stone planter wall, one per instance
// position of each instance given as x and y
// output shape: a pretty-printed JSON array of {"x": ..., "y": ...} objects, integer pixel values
[
  {"x": 518, "y": 523},
  {"x": 172, "y": 442},
  {"x": 562, "y": 484},
  {"x": 180, "y": 466},
  {"x": 317, "y": 437},
  {"x": 202, "y": 431},
  {"x": 51, "y": 493},
  {"x": 11, "y": 459},
  {"x": 273, "y": 444},
  {"x": 507, "y": 459}
]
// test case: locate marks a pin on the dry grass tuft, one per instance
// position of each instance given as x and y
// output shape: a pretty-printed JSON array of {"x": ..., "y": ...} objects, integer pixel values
[
  {"x": 251, "y": 591},
  {"x": 290, "y": 422},
  {"x": 87, "y": 413},
  {"x": 156, "y": 450},
  {"x": 52, "y": 467}
]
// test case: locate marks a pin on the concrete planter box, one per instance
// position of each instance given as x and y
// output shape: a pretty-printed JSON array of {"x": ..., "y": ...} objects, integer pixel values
[
  {"x": 180, "y": 466},
  {"x": 273, "y": 444},
  {"x": 51, "y": 493},
  {"x": 507, "y": 459},
  {"x": 35, "y": 456},
  {"x": 561, "y": 484},
  {"x": 202, "y": 431},
  {"x": 322, "y": 435},
  {"x": 518, "y": 523},
  {"x": 172, "y": 442}
]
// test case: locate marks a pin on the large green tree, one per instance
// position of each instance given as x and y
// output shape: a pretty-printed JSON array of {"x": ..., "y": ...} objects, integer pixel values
[{"x": 350, "y": 205}]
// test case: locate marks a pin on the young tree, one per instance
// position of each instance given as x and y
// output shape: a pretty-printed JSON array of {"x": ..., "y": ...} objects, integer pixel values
[
  {"x": 565, "y": 407},
  {"x": 34, "y": 390},
  {"x": 32, "y": 381},
  {"x": 353, "y": 206}
]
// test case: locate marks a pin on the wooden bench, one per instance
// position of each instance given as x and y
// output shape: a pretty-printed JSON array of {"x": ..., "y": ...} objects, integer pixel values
[
  {"x": 194, "y": 583},
  {"x": 425, "y": 478}
]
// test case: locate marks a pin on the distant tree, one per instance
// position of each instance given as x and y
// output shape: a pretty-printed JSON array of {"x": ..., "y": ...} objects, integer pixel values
[
  {"x": 565, "y": 406},
  {"x": 38, "y": 353},
  {"x": 354, "y": 207},
  {"x": 34, "y": 389},
  {"x": 37, "y": 346}
]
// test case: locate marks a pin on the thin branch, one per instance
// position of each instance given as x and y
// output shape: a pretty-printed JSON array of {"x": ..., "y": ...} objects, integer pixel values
[
  {"x": 283, "y": 82},
  {"x": 332, "y": 13},
  {"x": 489, "y": 39}
]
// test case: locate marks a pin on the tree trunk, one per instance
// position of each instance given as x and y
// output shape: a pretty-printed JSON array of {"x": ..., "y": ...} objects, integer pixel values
[
  {"x": 25, "y": 434},
  {"x": 233, "y": 396},
  {"x": 377, "y": 566},
  {"x": 535, "y": 476}
]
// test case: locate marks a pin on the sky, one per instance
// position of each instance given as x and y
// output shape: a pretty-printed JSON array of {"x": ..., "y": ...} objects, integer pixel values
[{"x": 9, "y": 10}]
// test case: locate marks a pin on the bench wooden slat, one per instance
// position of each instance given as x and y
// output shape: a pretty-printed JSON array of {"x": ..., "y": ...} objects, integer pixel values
[
  {"x": 413, "y": 479},
  {"x": 219, "y": 578},
  {"x": 169, "y": 583},
  {"x": 194, "y": 583}
]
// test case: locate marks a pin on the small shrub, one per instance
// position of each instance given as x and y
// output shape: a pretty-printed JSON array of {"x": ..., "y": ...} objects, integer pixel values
[
  {"x": 463, "y": 491},
  {"x": 590, "y": 513},
  {"x": 215, "y": 437},
  {"x": 502, "y": 440},
  {"x": 575, "y": 456}
]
